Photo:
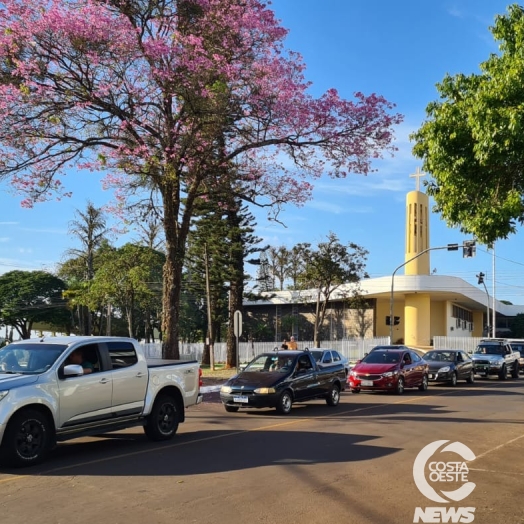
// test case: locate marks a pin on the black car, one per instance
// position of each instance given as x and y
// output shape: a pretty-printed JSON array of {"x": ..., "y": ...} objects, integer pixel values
[
  {"x": 450, "y": 366},
  {"x": 276, "y": 380}
]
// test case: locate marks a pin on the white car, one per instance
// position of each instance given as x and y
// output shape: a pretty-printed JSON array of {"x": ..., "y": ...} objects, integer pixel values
[{"x": 326, "y": 357}]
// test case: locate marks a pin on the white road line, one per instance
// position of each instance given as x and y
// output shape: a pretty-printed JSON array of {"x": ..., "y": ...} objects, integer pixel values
[{"x": 499, "y": 447}]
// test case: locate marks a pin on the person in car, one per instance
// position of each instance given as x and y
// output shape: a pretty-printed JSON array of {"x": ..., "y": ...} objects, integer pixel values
[{"x": 77, "y": 357}]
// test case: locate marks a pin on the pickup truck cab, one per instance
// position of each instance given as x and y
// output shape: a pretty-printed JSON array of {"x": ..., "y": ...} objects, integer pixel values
[
  {"x": 48, "y": 393},
  {"x": 276, "y": 380},
  {"x": 495, "y": 356}
]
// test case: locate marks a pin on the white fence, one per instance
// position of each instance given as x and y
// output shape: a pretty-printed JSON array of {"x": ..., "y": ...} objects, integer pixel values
[
  {"x": 467, "y": 344},
  {"x": 353, "y": 348}
]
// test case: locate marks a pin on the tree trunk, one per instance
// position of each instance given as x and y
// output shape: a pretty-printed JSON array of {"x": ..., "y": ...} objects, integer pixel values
[
  {"x": 175, "y": 236},
  {"x": 318, "y": 322},
  {"x": 236, "y": 290}
]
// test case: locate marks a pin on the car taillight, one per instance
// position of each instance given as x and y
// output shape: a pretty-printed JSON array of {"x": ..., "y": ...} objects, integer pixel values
[{"x": 200, "y": 383}]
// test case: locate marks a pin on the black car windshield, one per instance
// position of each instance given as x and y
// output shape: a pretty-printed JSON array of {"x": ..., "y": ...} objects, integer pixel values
[
  {"x": 382, "y": 357},
  {"x": 489, "y": 349},
  {"x": 277, "y": 363},
  {"x": 440, "y": 356},
  {"x": 29, "y": 359}
]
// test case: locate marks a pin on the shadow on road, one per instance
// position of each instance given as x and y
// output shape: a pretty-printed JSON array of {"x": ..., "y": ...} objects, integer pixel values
[{"x": 211, "y": 452}]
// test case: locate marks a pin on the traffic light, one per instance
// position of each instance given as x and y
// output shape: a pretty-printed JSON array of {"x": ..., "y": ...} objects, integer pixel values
[
  {"x": 396, "y": 321},
  {"x": 481, "y": 276},
  {"x": 468, "y": 249}
]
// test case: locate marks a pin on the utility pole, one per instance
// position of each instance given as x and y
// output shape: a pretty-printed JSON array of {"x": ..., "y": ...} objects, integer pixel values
[
  {"x": 209, "y": 319},
  {"x": 480, "y": 277}
]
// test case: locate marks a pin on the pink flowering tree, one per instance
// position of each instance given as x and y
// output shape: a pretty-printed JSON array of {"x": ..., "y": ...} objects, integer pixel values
[{"x": 179, "y": 98}]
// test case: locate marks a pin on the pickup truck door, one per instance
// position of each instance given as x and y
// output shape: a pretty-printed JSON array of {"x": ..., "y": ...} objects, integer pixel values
[
  {"x": 306, "y": 384},
  {"x": 130, "y": 377},
  {"x": 85, "y": 398}
]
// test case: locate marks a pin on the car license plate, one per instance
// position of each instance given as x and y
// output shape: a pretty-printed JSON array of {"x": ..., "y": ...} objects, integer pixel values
[
  {"x": 366, "y": 383},
  {"x": 243, "y": 400}
]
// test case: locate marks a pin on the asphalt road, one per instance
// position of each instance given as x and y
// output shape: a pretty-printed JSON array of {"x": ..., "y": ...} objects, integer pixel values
[{"x": 350, "y": 464}]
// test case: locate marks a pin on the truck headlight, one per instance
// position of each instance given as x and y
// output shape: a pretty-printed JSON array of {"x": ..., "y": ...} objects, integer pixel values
[
  {"x": 265, "y": 391},
  {"x": 445, "y": 369},
  {"x": 225, "y": 389},
  {"x": 3, "y": 394}
]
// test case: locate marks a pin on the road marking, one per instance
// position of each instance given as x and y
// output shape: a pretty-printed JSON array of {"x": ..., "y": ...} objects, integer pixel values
[
  {"x": 498, "y": 447},
  {"x": 240, "y": 432}
]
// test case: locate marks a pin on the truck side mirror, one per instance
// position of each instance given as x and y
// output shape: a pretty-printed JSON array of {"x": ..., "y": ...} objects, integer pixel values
[{"x": 73, "y": 370}]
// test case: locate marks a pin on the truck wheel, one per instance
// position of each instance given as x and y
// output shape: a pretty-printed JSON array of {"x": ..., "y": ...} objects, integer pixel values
[
  {"x": 333, "y": 397},
  {"x": 162, "y": 422},
  {"x": 471, "y": 378},
  {"x": 515, "y": 370},
  {"x": 400, "y": 386},
  {"x": 454, "y": 380},
  {"x": 27, "y": 439},
  {"x": 503, "y": 375},
  {"x": 284, "y": 403},
  {"x": 231, "y": 409}
]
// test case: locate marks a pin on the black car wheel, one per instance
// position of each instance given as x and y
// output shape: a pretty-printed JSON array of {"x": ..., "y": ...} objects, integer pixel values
[
  {"x": 231, "y": 409},
  {"x": 162, "y": 422},
  {"x": 515, "y": 370},
  {"x": 333, "y": 397},
  {"x": 400, "y": 386},
  {"x": 454, "y": 379},
  {"x": 27, "y": 439},
  {"x": 355, "y": 390},
  {"x": 284, "y": 403},
  {"x": 424, "y": 384},
  {"x": 471, "y": 378},
  {"x": 503, "y": 375}
]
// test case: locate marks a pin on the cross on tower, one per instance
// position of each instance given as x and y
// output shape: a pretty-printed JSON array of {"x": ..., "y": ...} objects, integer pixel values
[{"x": 417, "y": 176}]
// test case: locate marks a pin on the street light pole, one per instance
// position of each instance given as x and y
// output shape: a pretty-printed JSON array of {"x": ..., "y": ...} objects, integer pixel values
[{"x": 449, "y": 247}]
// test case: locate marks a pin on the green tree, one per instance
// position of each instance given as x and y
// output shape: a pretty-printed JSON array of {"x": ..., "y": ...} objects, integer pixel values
[
  {"x": 517, "y": 326},
  {"x": 327, "y": 267},
  {"x": 89, "y": 227},
  {"x": 278, "y": 262},
  {"x": 296, "y": 262},
  {"x": 27, "y": 297},
  {"x": 472, "y": 142},
  {"x": 128, "y": 278}
]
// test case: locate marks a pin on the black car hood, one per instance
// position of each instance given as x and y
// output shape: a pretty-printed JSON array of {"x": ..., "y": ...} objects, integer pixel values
[
  {"x": 433, "y": 366},
  {"x": 256, "y": 379}
]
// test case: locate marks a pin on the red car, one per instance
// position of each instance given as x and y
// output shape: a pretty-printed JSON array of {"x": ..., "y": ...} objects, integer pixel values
[{"x": 389, "y": 370}]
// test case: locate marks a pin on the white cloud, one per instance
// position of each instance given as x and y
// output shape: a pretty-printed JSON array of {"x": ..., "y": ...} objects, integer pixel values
[
  {"x": 25, "y": 250},
  {"x": 52, "y": 231},
  {"x": 4, "y": 239},
  {"x": 455, "y": 12}
]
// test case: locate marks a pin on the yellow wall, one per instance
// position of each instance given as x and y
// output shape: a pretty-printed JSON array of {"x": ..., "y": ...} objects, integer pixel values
[
  {"x": 478, "y": 324},
  {"x": 383, "y": 307},
  {"x": 417, "y": 233},
  {"x": 417, "y": 312},
  {"x": 438, "y": 327}
]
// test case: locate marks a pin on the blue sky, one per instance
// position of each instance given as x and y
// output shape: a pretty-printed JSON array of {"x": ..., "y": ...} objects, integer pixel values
[{"x": 397, "y": 49}]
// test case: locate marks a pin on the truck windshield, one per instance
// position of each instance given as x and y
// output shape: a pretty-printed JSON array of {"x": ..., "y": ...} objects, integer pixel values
[
  {"x": 271, "y": 363},
  {"x": 29, "y": 359},
  {"x": 489, "y": 349}
]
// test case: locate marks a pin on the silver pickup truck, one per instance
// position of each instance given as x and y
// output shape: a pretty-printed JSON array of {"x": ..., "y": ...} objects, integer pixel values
[
  {"x": 60, "y": 388},
  {"x": 495, "y": 356}
]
